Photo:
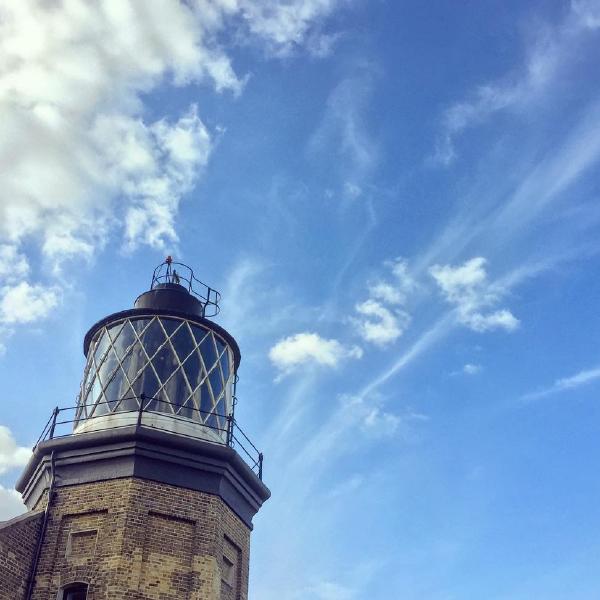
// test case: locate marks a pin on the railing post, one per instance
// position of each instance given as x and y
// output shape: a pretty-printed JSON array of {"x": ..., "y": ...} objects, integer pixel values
[
  {"x": 260, "y": 465},
  {"x": 53, "y": 425},
  {"x": 141, "y": 410},
  {"x": 229, "y": 430}
]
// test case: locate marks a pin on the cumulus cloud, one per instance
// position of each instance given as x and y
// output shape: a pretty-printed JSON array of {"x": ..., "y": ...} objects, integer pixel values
[
  {"x": 11, "y": 504},
  {"x": 24, "y": 303},
  {"x": 11, "y": 454},
  {"x": 467, "y": 287},
  {"x": 566, "y": 383},
  {"x": 81, "y": 160},
  {"x": 310, "y": 348},
  {"x": 381, "y": 326},
  {"x": 381, "y": 319}
]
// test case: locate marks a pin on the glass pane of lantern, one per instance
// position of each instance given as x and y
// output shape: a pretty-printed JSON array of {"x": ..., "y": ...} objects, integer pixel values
[
  {"x": 108, "y": 367},
  {"x": 111, "y": 392},
  {"x": 192, "y": 370},
  {"x": 101, "y": 347},
  {"x": 133, "y": 362},
  {"x": 170, "y": 325},
  {"x": 115, "y": 330},
  {"x": 206, "y": 405},
  {"x": 89, "y": 376},
  {"x": 153, "y": 338},
  {"x": 187, "y": 410},
  {"x": 220, "y": 345},
  {"x": 220, "y": 410},
  {"x": 209, "y": 354},
  {"x": 183, "y": 342},
  {"x": 199, "y": 333},
  {"x": 164, "y": 363},
  {"x": 139, "y": 325},
  {"x": 216, "y": 382},
  {"x": 94, "y": 396},
  {"x": 124, "y": 341},
  {"x": 146, "y": 384},
  {"x": 225, "y": 364},
  {"x": 176, "y": 390}
]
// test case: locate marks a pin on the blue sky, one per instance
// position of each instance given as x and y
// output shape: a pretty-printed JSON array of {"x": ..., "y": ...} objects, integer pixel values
[{"x": 399, "y": 204}]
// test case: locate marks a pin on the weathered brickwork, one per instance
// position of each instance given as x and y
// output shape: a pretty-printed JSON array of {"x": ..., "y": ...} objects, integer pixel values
[
  {"x": 136, "y": 539},
  {"x": 18, "y": 540}
]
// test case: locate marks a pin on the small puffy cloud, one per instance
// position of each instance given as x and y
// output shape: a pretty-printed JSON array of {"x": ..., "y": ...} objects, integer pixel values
[
  {"x": 381, "y": 326},
  {"x": 468, "y": 289},
  {"x": 386, "y": 292},
  {"x": 500, "y": 319},
  {"x": 381, "y": 319},
  {"x": 310, "y": 348},
  {"x": 11, "y": 504},
  {"x": 11, "y": 454},
  {"x": 471, "y": 369},
  {"x": 24, "y": 303}
]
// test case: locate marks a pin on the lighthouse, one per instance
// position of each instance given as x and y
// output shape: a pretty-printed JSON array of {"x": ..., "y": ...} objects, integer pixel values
[{"x": 146, "y": 487}]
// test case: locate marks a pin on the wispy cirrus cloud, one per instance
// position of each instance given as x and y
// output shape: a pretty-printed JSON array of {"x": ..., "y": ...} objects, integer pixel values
[
  {"x": 566, "y": 383},
  {"x": 549, "y": 51},
  {"x": 344, "y": 131}
]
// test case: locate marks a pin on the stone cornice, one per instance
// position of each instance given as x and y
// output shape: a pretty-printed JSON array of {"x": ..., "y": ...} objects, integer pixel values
[{"x": 147, "y": 454}]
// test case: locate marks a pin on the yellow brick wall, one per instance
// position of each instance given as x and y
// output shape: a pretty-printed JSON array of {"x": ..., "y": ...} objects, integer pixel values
[
  {"x": 18, "y": 540},
  {"x": 137, "y": 539}
]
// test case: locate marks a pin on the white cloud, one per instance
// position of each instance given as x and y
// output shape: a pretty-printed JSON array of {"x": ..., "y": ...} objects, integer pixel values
[
  {"x": 80, "y": 160},
  {"x": 13, "y": 265},
  {"x": 24, "y": 303},
  {"x": 286, "y": 26},
  {"x": 381, "y": 319},
  {"x": 11, "y": 454},
  {"x": 566, "y": 383},
  {"x": 310, "y": 348},
  {"x": 381, "y": 326},
  {"x": 471, "y": 369},
  {"x": 468, "y": 289},
  {"x": 11, "y": 504}
]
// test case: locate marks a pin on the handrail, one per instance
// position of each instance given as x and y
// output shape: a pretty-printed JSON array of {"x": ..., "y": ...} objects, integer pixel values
[
  {"x": 227, "y": 432},
  {"x": 166, "y": 273}
]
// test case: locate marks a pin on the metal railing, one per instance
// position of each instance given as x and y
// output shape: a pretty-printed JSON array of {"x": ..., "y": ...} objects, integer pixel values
[
  {"x": 64, "y": 420},
  {"x": 167, "y": 272}
]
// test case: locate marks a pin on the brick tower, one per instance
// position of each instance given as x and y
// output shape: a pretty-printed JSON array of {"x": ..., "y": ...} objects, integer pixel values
[{"x": 139, "y": 491}]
